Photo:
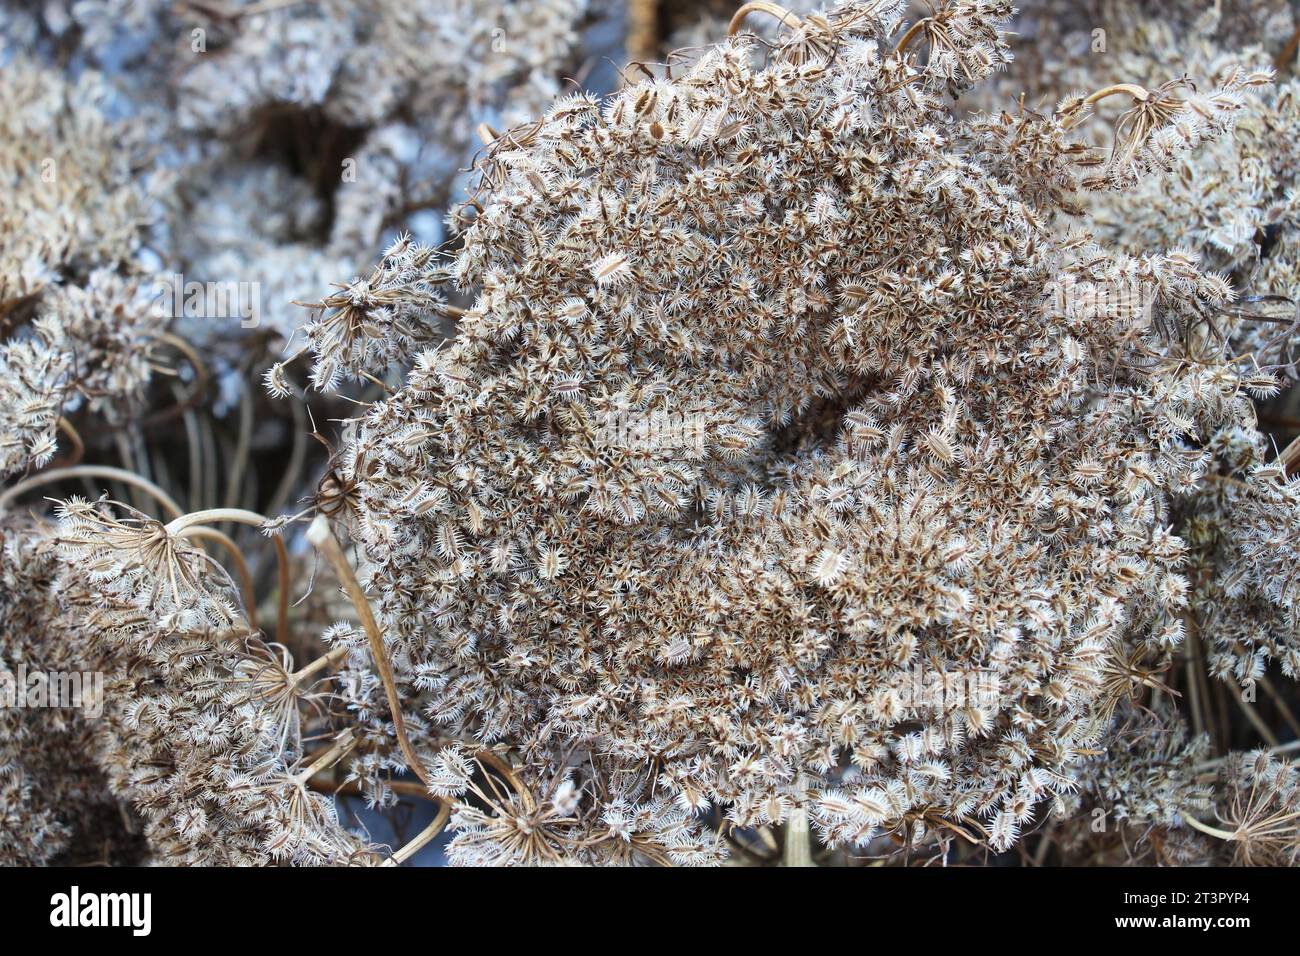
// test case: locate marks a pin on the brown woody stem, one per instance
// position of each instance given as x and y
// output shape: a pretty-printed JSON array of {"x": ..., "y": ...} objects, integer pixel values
[
  {"x": 762, "y": 6},
  {"x": 912, "y": 33},
  {"x": 322, "y": 539},
  {"x": 422, "y": 839},
  {"x": 107, "y": 472}
]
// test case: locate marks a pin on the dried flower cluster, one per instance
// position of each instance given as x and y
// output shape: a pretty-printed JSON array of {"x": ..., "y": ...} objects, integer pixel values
[
  {"x": 853, "y": 428},
  {"x": 193, "y": 735},
  {"x": 928, "y": 440},
  {"x": 71, "y": 219},
  {"x": 45, "y": 803}
]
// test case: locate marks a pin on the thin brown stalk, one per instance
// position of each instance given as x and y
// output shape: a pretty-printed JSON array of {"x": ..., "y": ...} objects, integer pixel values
[
  {"x": 241, "y": 565},
  {"x": 1286, "y": 59},
  {"x": 242, "y": 516},
  {"x": 202, "y": 377},
  {"x": 242, "y": 444},
  {"x": 425, "y": 837},
  {"x": 78, "y": 446},
  {"x": 915, "y": 30},
  {"x": 322, "y": 539},
  {"x": 107, "y": 472},
  {"x": 1256, "y": 721},
  {"x": 297, "y": 455},
  {"x": 1281, "y": 703},
  {"x": 642, "y": 29},
  {"x": 762, "y": 6}
]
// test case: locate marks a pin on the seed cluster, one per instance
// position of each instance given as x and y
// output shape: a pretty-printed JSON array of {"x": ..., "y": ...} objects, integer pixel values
[{"x": 931, "y": 442}]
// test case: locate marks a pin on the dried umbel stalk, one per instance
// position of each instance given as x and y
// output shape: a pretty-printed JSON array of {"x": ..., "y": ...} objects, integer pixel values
[
  {"x": 1257, "y": 811},
  {"x": 910, "y": 431}
]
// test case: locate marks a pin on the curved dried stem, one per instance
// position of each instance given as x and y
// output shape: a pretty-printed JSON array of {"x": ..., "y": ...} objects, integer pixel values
[
  {"x": 78, "y": 446},
  {"x": 215, "y": 516},
  {"x": 242, "y": 516},
  {"x": 762, "y": 6},
  {"x": 502, "y": 767},
  {"x": 241, "y": 565},
  {"x": 1078, "y": 112},
  {"x": 1207, "y": 829},
  {"x": 1149, "y": 111},
  {"x": 201, "y": 379},
  {"x": 164, "y": 500},
  {"x": 322, "y": 539},
  {"x": 915, "y": 30},
  {"x": 1138, "y": 93},
  {"x": 424, "y": 837}
]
